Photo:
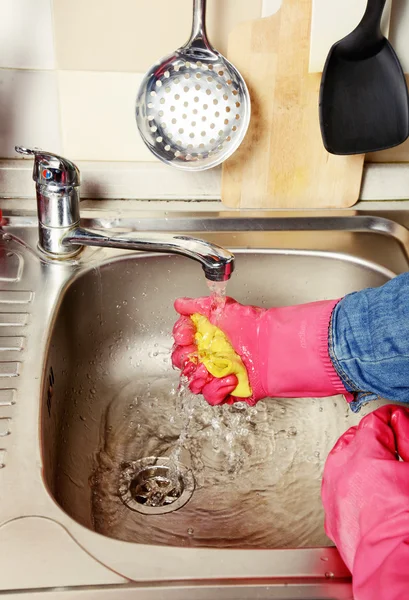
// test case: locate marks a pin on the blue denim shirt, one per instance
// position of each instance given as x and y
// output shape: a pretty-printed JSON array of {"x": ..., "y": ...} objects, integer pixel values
[{"x": 369, "y": 342}]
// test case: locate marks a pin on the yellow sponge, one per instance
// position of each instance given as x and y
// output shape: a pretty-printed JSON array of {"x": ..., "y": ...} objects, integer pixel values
[{"x": 218, "y": 355}]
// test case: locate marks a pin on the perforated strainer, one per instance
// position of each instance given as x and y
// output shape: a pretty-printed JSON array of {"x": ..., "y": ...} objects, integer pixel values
[{"x": 193, "y": 107}]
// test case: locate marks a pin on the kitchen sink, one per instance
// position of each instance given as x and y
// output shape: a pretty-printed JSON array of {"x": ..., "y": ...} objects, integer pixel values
[
  {"x": 149, "y": 480},
  {"x": 257, "y": 471}
]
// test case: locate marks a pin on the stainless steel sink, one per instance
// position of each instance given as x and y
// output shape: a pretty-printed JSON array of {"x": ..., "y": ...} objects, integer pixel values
[
  {"x": 257, "y": 471},
  {"x": 246, "y": 503}
]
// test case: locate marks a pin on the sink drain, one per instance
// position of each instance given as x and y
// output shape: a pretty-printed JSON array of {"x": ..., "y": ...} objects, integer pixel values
[{"x": 155, "y": 485}]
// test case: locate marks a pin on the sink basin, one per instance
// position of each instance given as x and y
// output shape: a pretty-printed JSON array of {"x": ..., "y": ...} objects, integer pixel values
[
  {"x": 256, "y": 472},
  {"x": 146, "y": 487}
]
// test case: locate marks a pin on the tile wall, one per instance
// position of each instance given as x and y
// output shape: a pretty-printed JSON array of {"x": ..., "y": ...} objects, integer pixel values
[{"x": 70, "y": 69}]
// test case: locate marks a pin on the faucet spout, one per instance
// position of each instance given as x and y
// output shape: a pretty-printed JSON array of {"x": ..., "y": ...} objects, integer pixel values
[
  {"x": 61, "y": 235},
  {"x": 217, "y": 262}
]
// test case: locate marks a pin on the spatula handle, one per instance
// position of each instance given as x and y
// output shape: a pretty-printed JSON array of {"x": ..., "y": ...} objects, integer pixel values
[{"x": 370, "y": 26}]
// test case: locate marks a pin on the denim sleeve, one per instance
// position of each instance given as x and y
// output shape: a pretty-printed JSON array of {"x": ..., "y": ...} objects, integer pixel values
[{"x": 369, "y": 342}]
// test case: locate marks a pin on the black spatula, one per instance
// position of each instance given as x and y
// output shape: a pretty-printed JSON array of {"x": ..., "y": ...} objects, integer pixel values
[{"x": 364, "y": 104}]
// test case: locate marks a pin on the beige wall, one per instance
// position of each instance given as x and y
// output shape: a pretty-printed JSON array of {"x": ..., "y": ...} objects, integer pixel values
[
  {"x": 70, "y": 69},
  {"x": 130, "y": 35}
]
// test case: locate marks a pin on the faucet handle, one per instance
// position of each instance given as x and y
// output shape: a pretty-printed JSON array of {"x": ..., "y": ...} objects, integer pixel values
[{"x": 50, "y": 168}]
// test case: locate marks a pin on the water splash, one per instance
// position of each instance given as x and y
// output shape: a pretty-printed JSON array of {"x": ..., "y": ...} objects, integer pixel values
[
  {"x": 186, "y": 409},
  {"x": 98, "y": 280},
  {"x": 218, "y": 296},
  {"x": 257, "y": 475},
  {"x": 257, "y": 469},
  {"x": 228, "y": 424},
  {"x": 217, "y": 288},
  {"x": 226, "y": 429}
]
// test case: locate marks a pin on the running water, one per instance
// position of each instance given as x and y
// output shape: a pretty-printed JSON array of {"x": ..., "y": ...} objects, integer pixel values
[
  {"x": 221, "y": 444},
  {"x": 186, "y": 407},
  {"x": 154, "y": 418},
  {"x": 257, "y": 470},
  {"x": 187, "y": 410},
  {"x": 218, "y": 295}
]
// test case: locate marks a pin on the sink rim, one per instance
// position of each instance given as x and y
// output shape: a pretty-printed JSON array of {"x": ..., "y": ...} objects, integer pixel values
[
  {"x": 271, "y": 563},
  {"x": 126, "y": 256}
]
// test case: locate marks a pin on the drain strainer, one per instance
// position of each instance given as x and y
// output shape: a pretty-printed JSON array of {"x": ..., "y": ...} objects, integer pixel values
[{"x": 155, "y": 485}]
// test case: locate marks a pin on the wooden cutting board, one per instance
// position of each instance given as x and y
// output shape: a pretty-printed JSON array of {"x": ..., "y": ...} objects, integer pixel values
[{"x": 282, "y": 162}]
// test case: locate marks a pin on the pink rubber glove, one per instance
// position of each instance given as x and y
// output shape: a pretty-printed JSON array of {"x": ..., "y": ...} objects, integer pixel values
[
  {"x": 365, "y": 492},
  {"x": 285, "y": 350}
]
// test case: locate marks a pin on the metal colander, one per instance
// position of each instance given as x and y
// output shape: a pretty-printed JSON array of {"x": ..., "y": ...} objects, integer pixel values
[{"x": 193, "y": 107}]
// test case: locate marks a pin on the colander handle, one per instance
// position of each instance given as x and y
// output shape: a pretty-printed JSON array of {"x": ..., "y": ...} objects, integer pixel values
[{"x": 198, "y": 37}]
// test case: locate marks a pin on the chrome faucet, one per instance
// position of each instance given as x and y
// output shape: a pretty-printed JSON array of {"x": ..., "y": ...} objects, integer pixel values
[{"x": 61, "y": 235}]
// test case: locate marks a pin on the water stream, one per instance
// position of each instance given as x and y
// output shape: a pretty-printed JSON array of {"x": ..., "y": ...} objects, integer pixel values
[
  {"x": 257, "y": 470},
  {"x": 218, "y": 296}
]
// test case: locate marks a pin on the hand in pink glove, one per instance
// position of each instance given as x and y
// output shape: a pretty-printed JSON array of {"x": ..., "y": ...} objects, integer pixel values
[
  {"x": 285, "y": 350},
  {"x": 365, "y": 492}
]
